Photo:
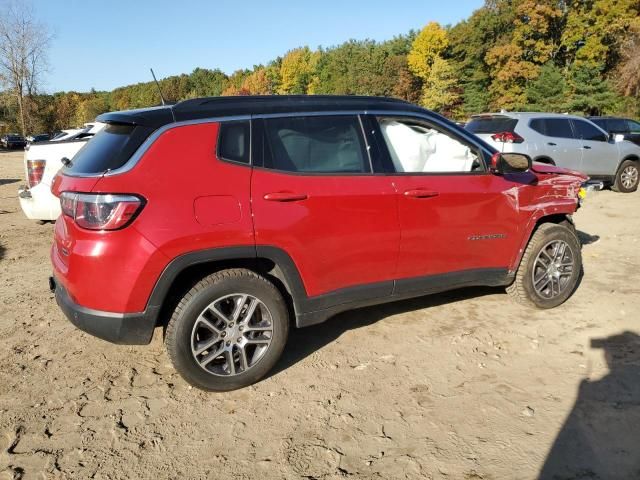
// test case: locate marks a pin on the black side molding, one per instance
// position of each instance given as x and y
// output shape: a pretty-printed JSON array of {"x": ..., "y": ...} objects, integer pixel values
[{"x": 317, "y": 309}]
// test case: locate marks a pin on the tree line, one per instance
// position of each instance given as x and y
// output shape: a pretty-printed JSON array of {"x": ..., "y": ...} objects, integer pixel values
[{"x": 580, "y": 56}]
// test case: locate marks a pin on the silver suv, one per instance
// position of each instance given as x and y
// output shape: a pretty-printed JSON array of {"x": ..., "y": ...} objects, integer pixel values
[{"x": 564, "y": 140}]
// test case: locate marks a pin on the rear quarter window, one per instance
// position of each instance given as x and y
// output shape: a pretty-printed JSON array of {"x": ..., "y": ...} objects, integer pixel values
[
  {"x": 234, "y": 141},
  {"x": 108, "y": 150}
]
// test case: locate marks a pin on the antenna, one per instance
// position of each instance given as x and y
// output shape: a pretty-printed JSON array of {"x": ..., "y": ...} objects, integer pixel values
[{"x": 157, "y": 85}]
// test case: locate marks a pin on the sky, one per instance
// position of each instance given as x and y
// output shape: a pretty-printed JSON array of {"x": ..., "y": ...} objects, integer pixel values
[{"x": 108, "y": 44}]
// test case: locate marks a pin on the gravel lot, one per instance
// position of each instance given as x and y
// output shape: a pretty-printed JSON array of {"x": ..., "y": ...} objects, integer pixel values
[{"x": 464, "y": 385}]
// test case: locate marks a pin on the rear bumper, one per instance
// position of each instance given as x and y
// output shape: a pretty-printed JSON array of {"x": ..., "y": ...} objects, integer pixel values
[
  {"x": 121, "y": 328},
  {"x": 38, "y": 203}
]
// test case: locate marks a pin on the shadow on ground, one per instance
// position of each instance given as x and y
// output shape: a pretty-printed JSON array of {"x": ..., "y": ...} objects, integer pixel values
[
  {"x": 600, "y": 438},
  {"x": 7, "y": 181},
  {"x": 586, "y": 239},
  {"x": 303, "y": 342}
]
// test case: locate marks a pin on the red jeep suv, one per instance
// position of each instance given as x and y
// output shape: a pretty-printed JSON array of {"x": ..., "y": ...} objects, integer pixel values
[{"x": 226, "y": 219}]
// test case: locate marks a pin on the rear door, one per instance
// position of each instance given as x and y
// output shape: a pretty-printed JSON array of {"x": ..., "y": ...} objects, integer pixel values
[
  {"x": 314, "y": 195},
  {"x": 599, "y": 157}
]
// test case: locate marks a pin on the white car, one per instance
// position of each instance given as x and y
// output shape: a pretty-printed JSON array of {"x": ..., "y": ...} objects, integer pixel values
[
  {"x": 42, "y": 160},
  {"x": 567, "y": 141}
]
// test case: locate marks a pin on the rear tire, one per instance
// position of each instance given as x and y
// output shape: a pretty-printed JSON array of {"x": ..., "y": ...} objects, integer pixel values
[
  {"x": 228, "y": 331},
  {"x": 550, "y": 267},
  {"x": 627, "y": 178}
]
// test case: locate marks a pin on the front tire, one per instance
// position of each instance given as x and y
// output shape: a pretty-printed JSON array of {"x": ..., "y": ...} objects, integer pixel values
[
  {"x": 228, "y": 331},
  {"x": 627, "y": 177},
  {"x": 550, "y": 267}
]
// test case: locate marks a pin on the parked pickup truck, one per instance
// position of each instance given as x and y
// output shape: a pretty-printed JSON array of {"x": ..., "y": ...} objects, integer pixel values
[{"x": 42, "y": 160}]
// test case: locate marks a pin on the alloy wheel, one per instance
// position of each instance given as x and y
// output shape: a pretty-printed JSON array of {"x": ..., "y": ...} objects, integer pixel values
[
  {"x": 553, "y": 268},
  {"x": 232, "y": 334},
  {"x": 629, "y": 177}
]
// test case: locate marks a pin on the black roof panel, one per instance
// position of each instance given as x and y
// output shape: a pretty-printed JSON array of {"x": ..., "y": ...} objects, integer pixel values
[{"x": 208, "y": 107}]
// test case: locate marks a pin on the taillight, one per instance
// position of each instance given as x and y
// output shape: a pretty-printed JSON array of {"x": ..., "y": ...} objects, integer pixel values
[
  {"x": 35, "y": 170},
  {"x": 507, "y": 137},
  {"x": 100, "y": 211}
]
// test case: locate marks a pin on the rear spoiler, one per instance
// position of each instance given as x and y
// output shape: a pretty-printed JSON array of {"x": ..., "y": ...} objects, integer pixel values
[{"x": 154, "y": 117}]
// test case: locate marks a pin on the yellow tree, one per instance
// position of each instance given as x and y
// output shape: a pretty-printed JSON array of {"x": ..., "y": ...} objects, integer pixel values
[
  {"x": 425, "y": 60},
  {"x": 595, "y": 30},
  {"x": 428, "y": 45},
  {"x": 516, "y": 60},
  {"x": 297, "y": 71},
  {"x": 258, "y": 83}
]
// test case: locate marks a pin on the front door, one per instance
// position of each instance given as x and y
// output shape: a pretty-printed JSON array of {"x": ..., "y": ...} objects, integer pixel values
[
  {"x": 599, "y": 157},
  {"x": 454, "y": 215}
]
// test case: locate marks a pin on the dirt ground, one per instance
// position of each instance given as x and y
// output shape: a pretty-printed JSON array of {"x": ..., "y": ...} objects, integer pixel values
[{"x": 464, "y": 385}]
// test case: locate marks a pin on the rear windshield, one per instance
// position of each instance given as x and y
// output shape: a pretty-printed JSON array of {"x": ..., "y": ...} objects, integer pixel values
[
  {"x": 109, "y": 149},
  {"x": 493, "y": 124}
]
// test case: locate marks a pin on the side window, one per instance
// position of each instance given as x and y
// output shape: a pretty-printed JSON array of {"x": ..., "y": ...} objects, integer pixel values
[
  {"x": 616, "y": 125},
  {"x": 558, "y": 127},
  {"x": 315, "y": 144},
  {"x": 539, "y": 125},
  {"x": 233, "y": 141},
  {"x": 634, "y": 127},
  {"x": 586, "y": 131},
  {"x": 415, "y": 146}
]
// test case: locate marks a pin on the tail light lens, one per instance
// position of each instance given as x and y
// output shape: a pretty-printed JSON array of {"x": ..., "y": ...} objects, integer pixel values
[
  {"x": 100, "y": 211},
  {"x": 507, "y": 137},
  {"x": 35, "y": 170}
]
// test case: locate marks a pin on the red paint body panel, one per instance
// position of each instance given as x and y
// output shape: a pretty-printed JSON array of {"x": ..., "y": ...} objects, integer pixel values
[
  {"x": 116, "y": 271},
  {"x": 344, "y": 233},
  {"x": 111, "y": 271},
  {"x": 475, "y": 221},
  {"x": 341, "y": 231}
]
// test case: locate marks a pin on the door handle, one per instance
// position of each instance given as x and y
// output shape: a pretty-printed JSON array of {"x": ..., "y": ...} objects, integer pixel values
[
  {"x": 285, "y": 197},
  {"x": 586, "y": 147},
  {"x": 419, "y": 193},
  {"x": 552, "y": 144}
]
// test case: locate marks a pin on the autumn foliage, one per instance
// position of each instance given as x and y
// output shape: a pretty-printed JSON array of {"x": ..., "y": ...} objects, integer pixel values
[{"x": 580, "y": 56}]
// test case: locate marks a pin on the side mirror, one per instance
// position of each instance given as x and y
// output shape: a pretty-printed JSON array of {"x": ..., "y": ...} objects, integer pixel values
[
  {"x": 616, "y": 137},
  {"x": 502, "y": 163}
]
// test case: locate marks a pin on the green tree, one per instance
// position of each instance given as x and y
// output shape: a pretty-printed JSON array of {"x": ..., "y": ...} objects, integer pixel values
[
  {"x": 591, "y": 94},
  {"x": 206, "y": 83},
  {"x": 548, "y": 93}
]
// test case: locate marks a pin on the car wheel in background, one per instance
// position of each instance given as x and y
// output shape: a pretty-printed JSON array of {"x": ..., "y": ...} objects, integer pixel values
[
  {"x": 550, "y": 267},
  {"x": 626, "y": 180}
]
